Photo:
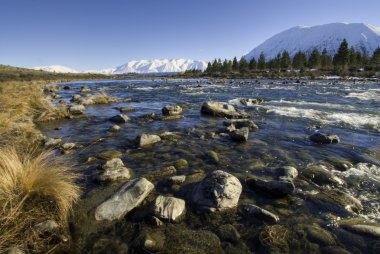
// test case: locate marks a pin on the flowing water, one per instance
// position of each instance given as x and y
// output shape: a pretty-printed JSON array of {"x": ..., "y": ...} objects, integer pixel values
[{"x": 291, "y": 112}]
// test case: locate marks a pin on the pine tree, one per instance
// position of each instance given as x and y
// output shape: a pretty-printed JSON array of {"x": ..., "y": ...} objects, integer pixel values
[
  {"x": 243, "y": 65},
  {"x": 314, "y": 59},
  {"x": 342, "y": 57},
  {"x": 209, "y": 67},
  {"x": 353, "y": 62},
  {"x": 276, "y": 62},
  {"x": 285, "y": 62},
  {"x": 375, "y": 60},
  {"x": 252, "y": 64},
  {"x": 261, "y": 62},
  {"x": 235, "y": 64},
  {"x": 299, "y": 60},
  {"x": 326, "y": 60},
  {"x": 214, "y": 66}
]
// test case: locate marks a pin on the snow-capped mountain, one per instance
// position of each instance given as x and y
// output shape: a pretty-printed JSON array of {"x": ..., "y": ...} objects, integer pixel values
[
  {"x": 157, "y": 65},
  {"x": 56, "y": 68},
  {"x": 143, "y": 66},
  {"x": 360, "y": 36}
]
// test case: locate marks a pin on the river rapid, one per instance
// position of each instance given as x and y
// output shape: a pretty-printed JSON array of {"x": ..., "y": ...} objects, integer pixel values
[{"x": 315, "y": 218}]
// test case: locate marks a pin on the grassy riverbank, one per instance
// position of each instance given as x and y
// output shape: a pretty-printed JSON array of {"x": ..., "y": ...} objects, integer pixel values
[{"x": 34, "y": 185}]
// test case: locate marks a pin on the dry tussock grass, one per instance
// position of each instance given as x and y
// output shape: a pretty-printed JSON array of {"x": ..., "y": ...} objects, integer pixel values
[
  {"x": 22, "y": 104},
  {"x": 34, "y": 187},
  {"x": 99, "y": 98}
]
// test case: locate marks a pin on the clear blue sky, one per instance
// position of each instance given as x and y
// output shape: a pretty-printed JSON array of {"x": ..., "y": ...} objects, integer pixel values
[{"x": 94, "y": 34}]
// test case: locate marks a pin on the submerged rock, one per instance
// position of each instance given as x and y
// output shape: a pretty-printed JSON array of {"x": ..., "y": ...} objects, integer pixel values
[
  {"x": 169, "y": 208},
  {"x": 240, "y": 123},
  {"x": 181, "y": 164},
  {"x": 150, "y": 241},
  {"x": 240, "y": 135},
  {"x": 125, "y": 109},
  {"x": 120, "y": 118},
  {"x": 259, "y": 213},
  {"x": 321, "y": 175},
  {"x": 147, "y": 139},
  {"x": 222, "y": 109},
  {"x": 114, "y": 128},
  {"x": 219, "y": 190},
  {"x": 113, "y": 163},
  {"x": 172, "y": 110},
  {"x": 77, "y": 109},
  {"x": 228, "y": 233},
  {"x": 369, "y": 230},
  {"x": 279, "y": 188},
  {"x": 251, "y": 102},
  {"x": 163, "y": 172},
  {"x": 129, "y": 196},
  {"x": 321, "y": 138},
  {"x": 287, "y": 172},
  {"x": 319, "y": 235}
]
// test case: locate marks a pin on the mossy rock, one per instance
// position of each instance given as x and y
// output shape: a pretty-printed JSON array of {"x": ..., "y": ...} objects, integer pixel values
[
  {"x": 97, "y": 140},
  {"x": 340, "y": 164},
  {"x": 110, "y": 155},
  {"x": 320, "y": 236},
  {"x": 181, "y": 164}
]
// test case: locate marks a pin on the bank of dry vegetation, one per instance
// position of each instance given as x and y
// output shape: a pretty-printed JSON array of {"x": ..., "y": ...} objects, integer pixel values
[{"x": 34, "y": 185}]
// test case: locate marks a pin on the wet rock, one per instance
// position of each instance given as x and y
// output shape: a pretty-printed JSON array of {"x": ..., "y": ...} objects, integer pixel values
[
  {"x": 240, "y": 123},
  {"x": 319, "y": 235},
  {"x": 169, "y": 118},
  {"x": 183, "y": 240},
  {"x": 341, "y": 165},
  {"x": 177, "y": 179},
  {"x": 66, "y": 88},
  {"x": 113, "y": 163},
  {"x": 172, "y": 110},
  {"x": 110, "y": 155},
  {"x": 163, "y": 172},
  {"x": 68, "y": 146},
  {"x": 212, "y": 156},
  {"x": 77, "y": 109},
  {"x": 181, "y": 164},
  {"x": 150, "y": 241},
  {"x": 222, "y": 109},
  {"x": 167, "y": 135},
  {"x": 129, "y": 196},
  {"x": 240, "y": 135},
  {"x": 321, "y": 138},
  {"x": 146, "y": 140},
  {"x": 228, "y": 233},
  {"x": 85, "y": 89},
  {"x": 321, "y": 175},
  {"x": 278, "y": 188},
  {"x": 120, "y": 118},
  {"x": 334, "y": 250},
  {"x": 336, "y": 201},
  {"x": 287, "y": 172},
  {"x": 219, "y": 190},
  {"x": 114, "y": 128},
  {"x": 115, "y": 174},
  {"x": 76, "y": 97},
  {"x": 259, "y": 213},
  {"x": 51, "y": 142},
  {"x": 169, "y": 208},
  {"x": 47, "y": 227},
  {"x": 125, "y": 109},
  {"x": 251, "y": 102},
  {"x": 15, "y": 250},
  {"x": 149, "y": 117},
  {"x": 369, "y": 230}
]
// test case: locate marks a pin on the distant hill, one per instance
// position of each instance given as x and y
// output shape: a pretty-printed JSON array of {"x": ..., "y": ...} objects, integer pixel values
[{"x": 360, "y": 36}]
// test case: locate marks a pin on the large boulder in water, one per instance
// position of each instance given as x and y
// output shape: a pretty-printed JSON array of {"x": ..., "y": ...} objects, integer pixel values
[
  {"x": 279, "y": 188},
  {"x": 172, "y": 110},
  {"x": 321, "y": 138},
  {"x": 129, "y": 196},
  {"x": 147, "y": 139},
  {"x": 222, "y": 109},
  {"x": 219, "y": 190},
  {"x": 240, "y": 135}
]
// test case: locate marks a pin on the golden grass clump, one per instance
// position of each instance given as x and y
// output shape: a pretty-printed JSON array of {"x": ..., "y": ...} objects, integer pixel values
[
  {"x": 34, "y": 187},
  {"x": 21, "y": 105},
  {"x": 98, "y": 98},
  {"x": 274, "y": 236}
]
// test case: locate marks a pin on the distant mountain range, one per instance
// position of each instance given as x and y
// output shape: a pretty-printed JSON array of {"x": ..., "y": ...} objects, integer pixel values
[
  {"x": 143, "y": 66},
  {"x": 358, "y": 35}
]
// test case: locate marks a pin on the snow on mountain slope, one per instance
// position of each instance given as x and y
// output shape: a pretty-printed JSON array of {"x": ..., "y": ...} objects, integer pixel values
[
  {"x": 360, "y": 36},
  {"x": 56, "y": 68},
  {"x": 158, "y": 65}
]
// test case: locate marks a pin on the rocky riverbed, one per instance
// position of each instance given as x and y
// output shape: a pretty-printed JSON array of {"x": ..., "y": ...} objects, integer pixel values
[{"x": 234, "y": 166}]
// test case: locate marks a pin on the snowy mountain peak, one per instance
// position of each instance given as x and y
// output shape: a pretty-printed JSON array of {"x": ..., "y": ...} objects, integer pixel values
[
  {"x": 359, "y": 35},
  {"x": 56, "y": 68},
  {"x": 160, "y": 65}
]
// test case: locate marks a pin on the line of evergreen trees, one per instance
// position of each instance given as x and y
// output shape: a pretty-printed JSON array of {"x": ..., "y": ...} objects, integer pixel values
[{"x": 345, "y": 59}]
